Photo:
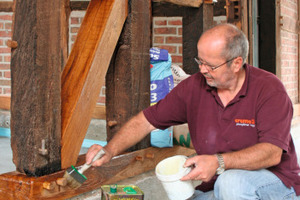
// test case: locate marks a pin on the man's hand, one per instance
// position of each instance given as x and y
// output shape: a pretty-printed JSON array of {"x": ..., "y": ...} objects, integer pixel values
[
  {"x": 203, "y": 167},
  {"x": 93, "y": 150}
]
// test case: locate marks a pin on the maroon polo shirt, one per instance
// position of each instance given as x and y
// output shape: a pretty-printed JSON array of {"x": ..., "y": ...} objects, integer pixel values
[{"x": 260, "y": 112}]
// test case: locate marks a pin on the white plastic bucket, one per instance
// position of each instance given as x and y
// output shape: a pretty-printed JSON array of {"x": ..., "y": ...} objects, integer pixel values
[{"x": 169, "y": 171}]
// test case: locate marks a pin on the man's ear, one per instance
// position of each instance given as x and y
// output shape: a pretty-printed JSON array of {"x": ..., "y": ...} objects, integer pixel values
[{"x": 237, "y": 64}]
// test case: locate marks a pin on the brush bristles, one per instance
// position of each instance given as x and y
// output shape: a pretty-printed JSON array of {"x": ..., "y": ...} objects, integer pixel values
[{"x": 71, "y": 182}]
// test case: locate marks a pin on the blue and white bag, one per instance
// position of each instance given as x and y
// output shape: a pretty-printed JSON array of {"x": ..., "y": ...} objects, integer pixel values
[{"x": 161, "y": 83}]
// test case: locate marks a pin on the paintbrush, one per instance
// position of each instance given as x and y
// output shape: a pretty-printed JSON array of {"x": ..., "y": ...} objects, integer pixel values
[{"x": 75, "y": 177}]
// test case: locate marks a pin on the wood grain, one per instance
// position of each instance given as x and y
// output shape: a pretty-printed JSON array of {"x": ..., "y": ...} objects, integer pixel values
[
  {"x": 36, "y": 70},
  {"x": 15, "y": 185},
  {"x": 190, "y": 3},
  {"x": 128, "y": 76},
  {"x": 194, "y": 22},
  {"x": 5, "y": 102},
  {"x": 85, "y": 71},
  {"x": 6, "y": 6}
]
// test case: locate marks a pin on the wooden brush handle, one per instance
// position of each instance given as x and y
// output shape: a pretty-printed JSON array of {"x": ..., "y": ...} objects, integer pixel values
[{"x": 97, "y": 156}]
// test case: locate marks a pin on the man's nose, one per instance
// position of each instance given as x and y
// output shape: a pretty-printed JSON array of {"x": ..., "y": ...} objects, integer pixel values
[{"x": 203, "y": 69}]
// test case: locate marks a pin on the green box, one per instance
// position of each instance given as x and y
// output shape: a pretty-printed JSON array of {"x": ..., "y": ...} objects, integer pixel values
[{"x": 121, "y": 192}]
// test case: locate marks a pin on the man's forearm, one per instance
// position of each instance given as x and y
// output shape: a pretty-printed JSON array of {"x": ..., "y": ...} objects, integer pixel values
[
  {"x": 262, "y": 155},
  {"x": 131, "y": 133}
]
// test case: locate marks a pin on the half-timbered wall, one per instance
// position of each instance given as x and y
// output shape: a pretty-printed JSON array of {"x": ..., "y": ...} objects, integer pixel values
[{"x": 288, "y": 71}]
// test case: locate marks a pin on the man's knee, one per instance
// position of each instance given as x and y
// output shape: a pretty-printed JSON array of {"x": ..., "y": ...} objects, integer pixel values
[{"x": 232, "y": 184}]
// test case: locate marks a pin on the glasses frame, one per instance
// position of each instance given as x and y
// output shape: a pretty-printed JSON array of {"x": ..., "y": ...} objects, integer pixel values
[{"x": 212, "y": 68}]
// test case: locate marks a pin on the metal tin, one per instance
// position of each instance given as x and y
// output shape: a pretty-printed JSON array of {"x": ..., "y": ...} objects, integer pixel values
[{"x": 121, "y": 192}]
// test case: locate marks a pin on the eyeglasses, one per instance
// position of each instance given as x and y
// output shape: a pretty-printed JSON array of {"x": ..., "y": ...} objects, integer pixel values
[{"x": 210, "y": 67}]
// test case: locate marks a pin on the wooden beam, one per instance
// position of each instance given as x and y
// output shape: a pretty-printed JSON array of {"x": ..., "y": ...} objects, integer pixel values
[
  {"x": 14, "y": 185},
  {"x": 194, "y": 22},
  {"x": 189, "y": 3},
  {"x": 35, "y": 97},
  {"x": 85, "y": 71},
  {"x": 99, "y": 111},
  {"x": 128, "y": 77},
  {"x": 79, "y": 5},
  {"x": 165, "y": 9},
  {"x": 233, "y": 10},
  {"x": 5, "y": 102},
  {"x": 245, "y": 17},
  {"x": 6, "y": 6},
  {"x": 220, "y": 8},
  {"x": 278, "y": 43}
]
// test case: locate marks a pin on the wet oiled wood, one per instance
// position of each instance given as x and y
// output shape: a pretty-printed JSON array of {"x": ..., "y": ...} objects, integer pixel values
[
  {"x": 85, "y": 71},
  {"x": 18, "y": 186}
]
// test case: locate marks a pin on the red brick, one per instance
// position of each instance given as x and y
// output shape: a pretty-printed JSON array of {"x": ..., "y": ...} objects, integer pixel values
[
  {"x": 0, "y": 74},
  {"x": 171, "y": 49},
  {"x": 179, "y": 31},
  {"x": 7, "y": 74},
  {"x": 5, "y": 17},
  {"x": 5, "y": 50},
  {"x": 175, "y": 22},
  {"x": 5, "y": 82},
  {"x": 165, "y": 30},
  {"x": 173, "y": 40},
  {"x": 6, "y": 58},
  {"x": 159, "y": 39},
  {"x": 1, "y": 90},
  {"x": 5, "y": 33},
  {"x": 75, "y": 20},
  {"x": 1, "y": 25},
  {"x": 101, "y": 100},
  {"x": 73, "y": 38},
  {"x": 4, "y": 66},
  {"x": 6, "y": 91},
  {"x": 8, "y": 26},
  {"x": 176, "y": 59},
  {"x": 74, "y": 29},
  {"x": 160, "y": 22},
  {"x": 180, "y": 50}
]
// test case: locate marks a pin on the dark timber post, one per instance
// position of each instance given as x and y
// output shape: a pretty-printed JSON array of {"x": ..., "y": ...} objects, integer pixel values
[
  {"x": 194, "y": 22},
  {"x": 40, "y": 29},
  {"x": 128, "y": 77}
]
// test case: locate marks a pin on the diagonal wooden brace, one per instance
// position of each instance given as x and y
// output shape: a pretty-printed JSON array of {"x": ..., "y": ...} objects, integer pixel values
[{"x": 85, "y": 71}]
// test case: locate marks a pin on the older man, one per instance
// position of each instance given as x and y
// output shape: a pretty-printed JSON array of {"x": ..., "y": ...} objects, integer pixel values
[{"x": 239, "y": 119}]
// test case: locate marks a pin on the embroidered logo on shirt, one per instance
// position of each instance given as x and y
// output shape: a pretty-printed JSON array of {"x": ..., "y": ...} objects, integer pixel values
[{"x": 245, "y": 122}]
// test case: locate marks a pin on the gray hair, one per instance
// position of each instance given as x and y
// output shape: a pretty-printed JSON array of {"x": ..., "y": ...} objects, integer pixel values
[{"x": 236, "y": 43}]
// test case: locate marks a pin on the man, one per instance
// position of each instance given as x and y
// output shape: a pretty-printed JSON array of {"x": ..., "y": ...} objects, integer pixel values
[{"x": 239, "y": 119}]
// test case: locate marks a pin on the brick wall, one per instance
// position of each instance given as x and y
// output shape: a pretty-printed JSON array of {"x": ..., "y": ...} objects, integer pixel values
[
  {"x": 5, "y": 34},
  {"x": 167, "y": 34},
  {"x": 289, "y": 49}
]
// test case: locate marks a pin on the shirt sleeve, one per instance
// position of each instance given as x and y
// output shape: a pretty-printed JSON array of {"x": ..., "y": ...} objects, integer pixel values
[
  {"x": 274, "y": 119},
  {"x": 169, "y": 111}
]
